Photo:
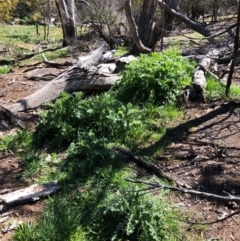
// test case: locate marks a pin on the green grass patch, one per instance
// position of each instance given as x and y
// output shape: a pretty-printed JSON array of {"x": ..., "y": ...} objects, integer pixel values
[
  {"x": 214, "y": 89},
  {"x": 235, "y": 92},
  {"x": 121, "y": 50},
  {"x": 12, "y": 34},
  {"x": 21, "y": 140},
  {"x": 4, "y": 70}
]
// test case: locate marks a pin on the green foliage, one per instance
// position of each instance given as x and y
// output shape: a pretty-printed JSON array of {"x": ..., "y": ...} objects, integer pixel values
[
  {"x": 95, "y": 202},
  {"x": 21, "y": 140},
  {"x": 121, "y": 50},
  {"x": 4, "y": 70},
  {"x": 128, "y": 215},
  {"x": 101, "y": 206},
  {"x": 6, "y": 8},
  {"x": 235, "y": 92},
  {"x": 155, "y": 78},
  {"x": 214, "y": 88},
  {"x": 104, "y": 116}
]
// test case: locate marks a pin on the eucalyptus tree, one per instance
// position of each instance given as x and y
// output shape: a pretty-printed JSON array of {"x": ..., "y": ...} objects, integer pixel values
[
  {"x": 148, "y": 31},
  {"x": 66, "y": 10}
]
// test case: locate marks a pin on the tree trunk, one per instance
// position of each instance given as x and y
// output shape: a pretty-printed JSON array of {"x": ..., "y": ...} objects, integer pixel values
[
  {"x": 148, "y": 32},
  {"x": 66, "y": 10},
  {"x": 168, "y": 19}
]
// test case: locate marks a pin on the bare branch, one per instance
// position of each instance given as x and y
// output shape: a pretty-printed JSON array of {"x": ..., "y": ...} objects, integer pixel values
[
  {"x": 229, "y": 198},
  {"x": 216, "y": 221},
  {"x": 194, "y": 25},
  {"x": 55, "y": 64},
  {"x": 140, "y": 162},
  {"x": 85, "y": 2}
]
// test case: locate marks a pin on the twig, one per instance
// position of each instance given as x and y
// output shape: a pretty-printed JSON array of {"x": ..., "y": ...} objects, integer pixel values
[
  {"x": 186, "y": 190},
  {"x": 55, "y": 64},
  {"x": 216, "y": 221},
  {"x": 140, "y": 162}
]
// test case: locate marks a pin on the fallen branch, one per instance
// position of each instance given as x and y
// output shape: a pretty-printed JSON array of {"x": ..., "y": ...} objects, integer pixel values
[
  {"x": 31, "y": 193},
  {"x": 68, "y": 83},
  {"x": 140, "y": 162},
  {"x": 193, "y": 25},
  {"x": 216, "y": 221},
  {"x": 229, "y": 198},
  {"x": 30, "y": 55},
  {"x": 55, "y": 64}
]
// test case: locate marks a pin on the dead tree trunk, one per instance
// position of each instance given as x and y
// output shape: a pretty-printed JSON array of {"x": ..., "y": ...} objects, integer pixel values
[
  {"x": 147, "y": 32},
  {"x": 70, "y": 81},
  {"x": 196, "y": 92},
  {"x": 66, "y": 10}
]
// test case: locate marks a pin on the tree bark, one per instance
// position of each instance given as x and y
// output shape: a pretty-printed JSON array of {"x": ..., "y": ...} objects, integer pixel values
[
  {"x": 166, "y": 20},
  {"x": 193, "y": 25},
  {"x": 31, "y": 193},
  {"x": 66, "y": 10},
  {"x": 70, "y": 81},
  {"x": 133, "y": 29},
  {"x": 148, "y": 32}
]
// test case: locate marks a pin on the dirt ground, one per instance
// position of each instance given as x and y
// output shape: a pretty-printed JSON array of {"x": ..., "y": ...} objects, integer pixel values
[{"x": 203, "y": 153}]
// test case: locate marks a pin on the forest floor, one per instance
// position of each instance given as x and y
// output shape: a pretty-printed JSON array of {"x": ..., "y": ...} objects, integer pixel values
[{"x": 204, "y": 158}]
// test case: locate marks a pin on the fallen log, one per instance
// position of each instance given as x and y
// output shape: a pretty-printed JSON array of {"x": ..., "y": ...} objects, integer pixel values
[
  {"x": 81, "y": 76},
  {"x": 196, "y": 91},
  {"x": 70, "y": 84},
  {"x": 31, "y": 193}
]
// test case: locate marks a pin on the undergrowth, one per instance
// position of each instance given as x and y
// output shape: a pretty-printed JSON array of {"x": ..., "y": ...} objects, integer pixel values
[
  {"x": 155, "y": 78},
  {"x": 95, "y": 202}
]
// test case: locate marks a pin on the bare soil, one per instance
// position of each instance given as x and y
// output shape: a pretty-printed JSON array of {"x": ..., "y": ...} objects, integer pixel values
[
  {"x": 202, "y": 152},
  {"x": 204, "y": 155}
]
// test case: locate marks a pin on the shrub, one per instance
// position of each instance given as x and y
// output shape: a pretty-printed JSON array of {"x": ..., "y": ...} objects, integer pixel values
[
  {"x": 104, "y": 116},
  {"x": 155, "y": 78},
  {"x": 128, "y": 215}
]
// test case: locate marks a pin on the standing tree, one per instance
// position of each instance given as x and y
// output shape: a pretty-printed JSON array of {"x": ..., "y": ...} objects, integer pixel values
[
  {"x": 149, "y": 29},
  {"x": 66, "y": 10}
]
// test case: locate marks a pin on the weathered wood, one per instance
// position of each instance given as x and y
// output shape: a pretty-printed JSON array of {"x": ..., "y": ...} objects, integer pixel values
[
  {"x": 192, "y": 24},
  {"x": 199, "y": 83},
  {"x": 70, "y": 81},
  {"x": 55, "y": 64},
  {"x": 31, "y": 193},
  {"x": 8, "y": 119}
]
